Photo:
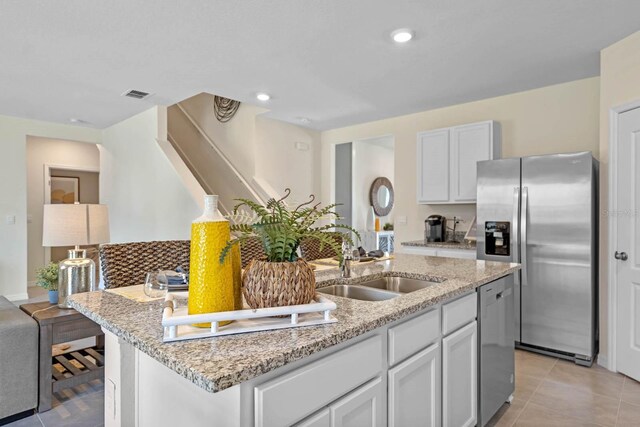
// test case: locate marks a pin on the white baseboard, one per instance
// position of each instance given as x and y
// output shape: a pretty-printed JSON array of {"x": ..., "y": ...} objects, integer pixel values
[
  {"x": 603, "y": 361},
  {"x": 17, "y": 297}
]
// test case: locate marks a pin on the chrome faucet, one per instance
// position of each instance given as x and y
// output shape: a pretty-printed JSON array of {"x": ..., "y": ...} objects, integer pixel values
[{"x": 345, "y": 263}]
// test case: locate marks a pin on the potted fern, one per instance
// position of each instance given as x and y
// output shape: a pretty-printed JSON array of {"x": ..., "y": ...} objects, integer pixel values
[
  {"x": 47, "y": 278},
  {"x": 282, "y": 278}
]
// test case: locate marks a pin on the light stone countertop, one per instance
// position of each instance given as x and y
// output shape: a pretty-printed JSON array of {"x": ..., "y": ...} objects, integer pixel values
[
  {"x": 222, "y": 362},
  {"x": 463, "y": 245}
]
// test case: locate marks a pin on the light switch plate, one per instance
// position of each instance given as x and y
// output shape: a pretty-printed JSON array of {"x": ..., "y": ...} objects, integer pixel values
[
  {"x": 10, "y": 219},
  {"x": 401, "y": 220}
]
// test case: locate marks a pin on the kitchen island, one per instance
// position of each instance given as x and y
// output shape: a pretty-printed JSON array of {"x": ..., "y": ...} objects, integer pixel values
[{"x": 282, "y": 377}]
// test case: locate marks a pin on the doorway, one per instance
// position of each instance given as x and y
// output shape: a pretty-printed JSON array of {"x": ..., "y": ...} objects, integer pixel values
[
  {"x": 624, "y": 242},
  {"x": 356, "y": 165},
  {"x": 343, "y": 183},
  {"x": 70, "y": 185},
  {"x": 75, "y": 168}
]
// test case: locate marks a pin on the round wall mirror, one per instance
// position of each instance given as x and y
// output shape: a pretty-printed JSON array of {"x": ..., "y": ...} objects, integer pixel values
[{"x": 381, "y": 196}]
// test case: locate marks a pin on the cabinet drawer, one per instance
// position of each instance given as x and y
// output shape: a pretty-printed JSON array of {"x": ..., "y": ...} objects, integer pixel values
[
  {"x": 407, "y": 338},
  {"x": 315, "y": 385},
  {"x": 458, "y": 313}
]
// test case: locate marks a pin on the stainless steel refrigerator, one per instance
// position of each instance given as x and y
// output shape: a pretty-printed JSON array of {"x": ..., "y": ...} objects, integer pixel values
[{"x": 542, "y": 212}]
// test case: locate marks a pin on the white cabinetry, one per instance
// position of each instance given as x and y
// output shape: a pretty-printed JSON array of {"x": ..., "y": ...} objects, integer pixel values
[
  {"x": 447, "y": 158},
  {"x": 363, "y": 407},
  {"x": 459, "y": 377},
  {"x": 414, "y": 390},
  {"x": 378, "y": 240},
  {"x": 441, "y": 252}
]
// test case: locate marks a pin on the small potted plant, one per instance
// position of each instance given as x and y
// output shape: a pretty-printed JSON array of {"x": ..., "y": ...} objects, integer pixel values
[
  {"x": 47, "y": 277},
  {"x": 282, "y": 278}
]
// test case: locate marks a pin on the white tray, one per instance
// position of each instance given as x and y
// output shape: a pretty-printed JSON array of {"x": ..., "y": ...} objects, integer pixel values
[{"x": 177, "y": 323}]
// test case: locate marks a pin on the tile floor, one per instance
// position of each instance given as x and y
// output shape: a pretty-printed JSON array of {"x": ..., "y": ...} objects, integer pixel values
[
  {"x": 552, "y": 392},
  {"x": 81, "y": 406},
  {"x": 549, "y": 392}
]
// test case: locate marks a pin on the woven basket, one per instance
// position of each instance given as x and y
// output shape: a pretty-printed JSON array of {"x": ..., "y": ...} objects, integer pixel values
[{"x": 277, "y": 284}]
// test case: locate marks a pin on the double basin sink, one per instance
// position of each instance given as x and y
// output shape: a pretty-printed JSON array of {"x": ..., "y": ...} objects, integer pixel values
[{"x": 381, "y": 289}]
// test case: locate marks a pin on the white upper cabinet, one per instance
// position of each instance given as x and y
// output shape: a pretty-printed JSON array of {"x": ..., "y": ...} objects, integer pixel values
[
  {"x": 447, "y": 161},
  {"x": 433, "y": 170}
]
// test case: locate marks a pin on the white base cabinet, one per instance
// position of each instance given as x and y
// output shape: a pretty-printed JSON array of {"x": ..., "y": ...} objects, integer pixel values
[
  {"x": 414, "y": 390},
  {"x": 460, "y": 377},
  {"x": 420, "y": 371},
  {"x": 363, "y": 407}
]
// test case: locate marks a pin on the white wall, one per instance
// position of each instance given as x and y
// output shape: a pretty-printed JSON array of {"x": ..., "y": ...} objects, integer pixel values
[
  {"x": 283, "y": 165},
  {"x": 13, "y": 193},
  {"x": 63, "y": 154},
  {"x": 372, "y": 158},
  {"x": 262, "y": 148},
  {"x": 147, "y": 199}
]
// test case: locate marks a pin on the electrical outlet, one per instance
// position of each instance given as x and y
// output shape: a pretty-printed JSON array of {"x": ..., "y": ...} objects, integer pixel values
[
  {"x": 401, "y": 220},
  {"x": 29, "y": 219}
]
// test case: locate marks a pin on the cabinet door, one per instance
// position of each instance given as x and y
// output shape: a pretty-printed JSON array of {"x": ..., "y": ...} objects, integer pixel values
[
  {"x": 460, "y": 377},
  {"x": 414, "y": 390},
  {"x": 433, "y": 166},
  {"x": 360, "y": 408},
  {"x": 321, "y": 418},
  {"x": 470, "y": 144}
]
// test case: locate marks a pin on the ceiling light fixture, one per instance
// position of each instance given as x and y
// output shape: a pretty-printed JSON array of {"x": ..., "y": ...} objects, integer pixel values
[
  {"x": 305, "y": 120},
  {"x": 263, "y": 96},
  {"x": 402, "y": 35}
]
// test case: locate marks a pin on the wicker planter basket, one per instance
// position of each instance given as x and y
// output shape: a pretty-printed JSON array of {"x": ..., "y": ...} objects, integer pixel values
[{"x": 277, "y": 284}]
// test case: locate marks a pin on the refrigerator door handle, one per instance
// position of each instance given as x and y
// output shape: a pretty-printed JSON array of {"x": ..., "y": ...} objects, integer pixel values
[
  {"x": 523, "y": 235},
  {"x": 514, "y": 232}
]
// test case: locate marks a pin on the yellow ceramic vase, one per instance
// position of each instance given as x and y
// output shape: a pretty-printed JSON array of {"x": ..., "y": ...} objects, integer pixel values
[{"x": 211, "y": 284}]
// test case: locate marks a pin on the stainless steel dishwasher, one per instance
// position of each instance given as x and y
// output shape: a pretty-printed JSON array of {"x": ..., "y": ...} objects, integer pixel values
[{"x": 496, "y": 341}]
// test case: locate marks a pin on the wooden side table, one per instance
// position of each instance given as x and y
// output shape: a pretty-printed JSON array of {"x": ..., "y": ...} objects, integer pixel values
[{"x": 58, "y": 326}]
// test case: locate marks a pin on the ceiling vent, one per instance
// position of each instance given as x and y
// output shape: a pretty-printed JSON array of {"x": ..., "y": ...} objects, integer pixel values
[{"x": 136, "y": 94}]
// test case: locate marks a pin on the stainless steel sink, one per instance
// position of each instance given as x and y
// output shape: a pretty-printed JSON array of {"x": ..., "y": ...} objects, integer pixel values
[
  {"x": 381, "y": 289},
  {"x": 358, "y": 292},
  {"x": 399, "y": 284}
]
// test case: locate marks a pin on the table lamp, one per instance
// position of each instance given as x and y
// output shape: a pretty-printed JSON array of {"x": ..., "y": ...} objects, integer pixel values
[{"x": 75, "y": 225}]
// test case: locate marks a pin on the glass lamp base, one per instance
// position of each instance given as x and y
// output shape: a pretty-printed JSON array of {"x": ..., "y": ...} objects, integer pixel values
[{"x": 76, "y": 274}]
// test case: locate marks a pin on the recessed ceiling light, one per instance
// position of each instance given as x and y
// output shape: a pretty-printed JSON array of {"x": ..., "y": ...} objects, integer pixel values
[
  {"x": 78, "y": 121},
  {"x": 263, "y": 96},
  {"x": 402, "y": 35},
  {"x": 305, "y": 120}
]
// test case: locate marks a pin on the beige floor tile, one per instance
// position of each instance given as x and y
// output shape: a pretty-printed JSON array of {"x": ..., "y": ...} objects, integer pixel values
[
  {"x": 629, "y": 415},
  {"x": 631, "y": 391},
  {"x": 532, "y": 364},
  {"x": 574, "y": 402},
  {"x": 508, "y": 413},
  {"x": 536, "y": 415},
  {"x": 593, "y": 380},
  {"x": 526, "y": 385}
]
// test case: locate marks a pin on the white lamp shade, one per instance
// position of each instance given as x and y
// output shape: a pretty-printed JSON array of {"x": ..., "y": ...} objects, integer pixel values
[{"x": 78, "y": 224}]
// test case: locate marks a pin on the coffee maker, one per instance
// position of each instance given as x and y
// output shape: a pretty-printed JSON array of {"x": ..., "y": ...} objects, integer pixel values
[{"x": 435, "y": 228}]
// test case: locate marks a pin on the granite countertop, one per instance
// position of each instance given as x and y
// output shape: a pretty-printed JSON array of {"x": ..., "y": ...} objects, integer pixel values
[
  {"x": 222, "y": 362},
  {"x": 464, "y": 244}
]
